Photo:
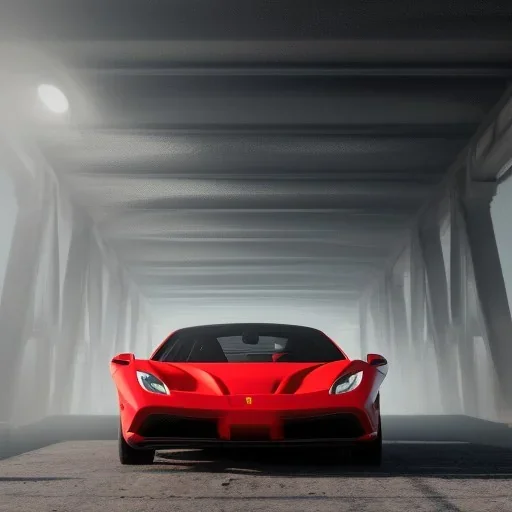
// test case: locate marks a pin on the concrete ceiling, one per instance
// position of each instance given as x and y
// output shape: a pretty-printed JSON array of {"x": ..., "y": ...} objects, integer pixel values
[{"x": 232, "y": 150}]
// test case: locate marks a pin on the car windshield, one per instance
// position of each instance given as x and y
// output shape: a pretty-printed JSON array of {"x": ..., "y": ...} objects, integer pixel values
[{"x": 248, "y": 343}]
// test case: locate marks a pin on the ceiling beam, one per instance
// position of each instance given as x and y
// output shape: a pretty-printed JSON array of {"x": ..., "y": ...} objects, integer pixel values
[
  {"x": 491, "y": 154},
  {"x": 144, "y": 188},
  {"x": 403, "y": 130},
  {"x": 162, "y": 252},
  {"x": 369, "y": 238},
  {"x": 277, "y": 263},
  {"x": 97, "y": 152},
  {"x": 282, "y": 23},
  {"x": 126, "y": 222},
  {"x": 353, "y": 111},
  {"x": 466, "y": 51},
  {"x": 231, "y": 292},
  {"x": 243, "y": 270},
  {"x": 271, "y": 70}
]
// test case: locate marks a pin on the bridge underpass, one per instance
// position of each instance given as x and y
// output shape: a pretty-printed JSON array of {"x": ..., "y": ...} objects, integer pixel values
[{"x": 348, "y": 174}]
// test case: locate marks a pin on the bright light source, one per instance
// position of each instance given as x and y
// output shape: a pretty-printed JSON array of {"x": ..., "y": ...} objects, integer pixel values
[{"x": 53, "y": 98}]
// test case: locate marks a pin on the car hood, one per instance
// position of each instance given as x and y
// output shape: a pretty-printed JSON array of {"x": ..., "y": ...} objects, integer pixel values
[{"x": 254, "y": 378}]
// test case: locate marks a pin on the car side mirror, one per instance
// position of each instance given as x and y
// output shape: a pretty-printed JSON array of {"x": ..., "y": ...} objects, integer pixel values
[
  {"x": 376, "y": 360},
  {"x": 123, "y": 359}
]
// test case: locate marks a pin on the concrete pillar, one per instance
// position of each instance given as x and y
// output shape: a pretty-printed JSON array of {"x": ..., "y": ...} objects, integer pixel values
[
  {"x": 123, "y": 338},
  {"x": 98, "y": 354},
  {"x": 112, "y": 308},
  {"x": 112, "y": 288},
  {"x": 384, "y": 318},
  {"x": 401, "y": 337},
  {"x": 400, "y": 334},
  {"x": 148, "y": 333},
  {"x": 458, "y": 297},
  {"x": 438, "y": 306},
  {"x": 73, "y": 303},
  {"x": 489, "y": 280},
  {"x": 399, "y": 313},
  {"x": 363, "y": 327},
  {"x": 19, "y": 282},
  {"x": 134, "y": 334},
  {"x": 374, "y": 321},
  {"x": 418, "y": 324},
  {"x": 49, "y": 314}
]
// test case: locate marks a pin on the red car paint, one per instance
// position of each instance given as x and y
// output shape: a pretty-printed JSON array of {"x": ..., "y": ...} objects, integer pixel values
[{"x": 246, "y": 397}]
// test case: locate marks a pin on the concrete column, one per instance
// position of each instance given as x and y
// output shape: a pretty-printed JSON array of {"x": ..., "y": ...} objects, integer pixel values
[
  {"x": 109, "y": 346},
  {"x": 373, "y": 320},
  {"x": 458, "y": 287},
  {"x": 399, "y": 317},
  {"x": 384, "y": 318},
  {"x": 73, "y": 303},
  {"x": 148, "y": 333},
  {"x": 19, "y": 282},
  {"x": 437, "y": 300},
  {"x": 112, "y": 310},
  {"x": 489, "y": 280},
  {"x": 418, "y": 291},
  {"x": 49, "y": 314},
  {"x": 363, "y": 327},
  {"x": 399, "y": 314},
  {"x": 419, "y": 345},
  {"x": 98, "y": 354},
  {"x": 123, "y": 338},
  {"x": 134, "y": 334},
  {"x": 400, "y": 334}
]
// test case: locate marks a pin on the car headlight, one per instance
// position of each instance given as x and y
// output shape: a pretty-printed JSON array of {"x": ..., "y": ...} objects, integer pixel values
[
  {"x": 151, "y": 383},
  {"x": 346, "y": 383}
]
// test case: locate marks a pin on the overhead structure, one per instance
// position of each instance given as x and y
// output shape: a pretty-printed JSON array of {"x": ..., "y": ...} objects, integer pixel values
[{"x": 184, "y": 162}]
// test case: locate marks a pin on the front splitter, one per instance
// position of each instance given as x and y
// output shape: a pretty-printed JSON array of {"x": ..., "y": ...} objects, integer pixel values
[{"x": 187, "y": 443}]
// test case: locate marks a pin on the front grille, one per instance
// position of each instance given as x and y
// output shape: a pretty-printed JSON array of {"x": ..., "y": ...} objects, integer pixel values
[
  {"x": 333, "y": 426},
  {"x": 164, "y": 425}
]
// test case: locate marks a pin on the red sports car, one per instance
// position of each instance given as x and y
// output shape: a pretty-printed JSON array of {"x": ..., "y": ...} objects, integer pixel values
[{"x": 248, "y": 385}]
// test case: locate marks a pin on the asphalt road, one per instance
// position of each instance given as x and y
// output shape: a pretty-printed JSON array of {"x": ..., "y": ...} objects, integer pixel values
[{"x": 415, "y": 477}]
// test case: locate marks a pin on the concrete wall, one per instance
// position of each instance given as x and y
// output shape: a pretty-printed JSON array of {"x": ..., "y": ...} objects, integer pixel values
[
  {"x": 8, "y": 212},
  {"x": 501, "y": 210},
  {"x": 67, "y": 304},
  {"x": 425, "y": 315}
]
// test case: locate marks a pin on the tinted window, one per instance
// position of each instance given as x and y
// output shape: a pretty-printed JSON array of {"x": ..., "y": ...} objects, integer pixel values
[{"x": 248, "y": 343}]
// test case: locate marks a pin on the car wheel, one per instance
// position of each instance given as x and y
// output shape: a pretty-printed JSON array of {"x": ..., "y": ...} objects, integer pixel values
[
  {"x": 370, "y": 453},
  {"x": 131, "y": 456}
]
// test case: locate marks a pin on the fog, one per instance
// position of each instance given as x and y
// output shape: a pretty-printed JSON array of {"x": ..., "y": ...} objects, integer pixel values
[{"x": 113, "y": 317}]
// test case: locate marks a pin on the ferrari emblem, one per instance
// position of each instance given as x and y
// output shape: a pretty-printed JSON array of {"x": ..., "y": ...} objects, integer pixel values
[{"x": 248, "y": 400}]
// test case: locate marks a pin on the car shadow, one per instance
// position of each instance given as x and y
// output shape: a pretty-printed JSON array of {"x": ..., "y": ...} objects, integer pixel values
[{"x": 449, "y": 460}]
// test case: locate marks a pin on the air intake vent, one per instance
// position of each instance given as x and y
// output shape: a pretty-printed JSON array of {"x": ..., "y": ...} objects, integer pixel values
[
  {"x": 250, "y": 433},
  {"x": 333, "y": 426},
  {"x": 164, "y": 425}
]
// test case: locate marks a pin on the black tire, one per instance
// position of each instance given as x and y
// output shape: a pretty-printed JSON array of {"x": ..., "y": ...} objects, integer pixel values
[
  {"x": 131, "y": 456},
  {"x": 370, "y": 453}
]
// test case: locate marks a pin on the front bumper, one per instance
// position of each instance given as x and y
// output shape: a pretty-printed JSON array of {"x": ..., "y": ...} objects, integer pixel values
[{"x": 190, "y": 420}]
